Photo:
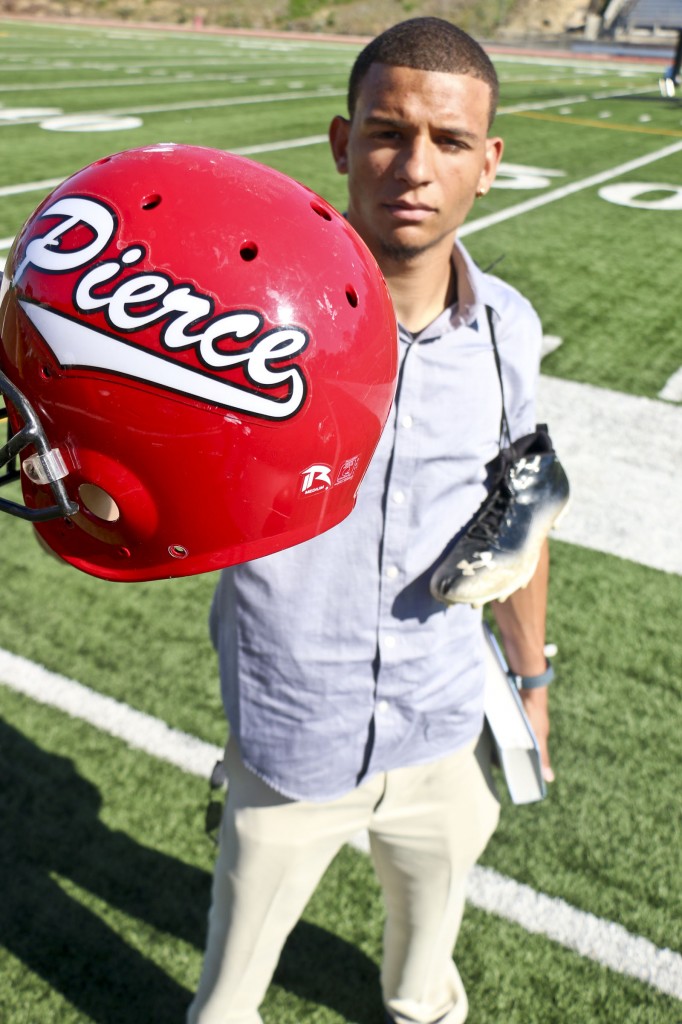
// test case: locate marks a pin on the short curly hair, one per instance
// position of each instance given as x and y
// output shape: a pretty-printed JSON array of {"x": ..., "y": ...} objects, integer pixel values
[{"x": 425, "y": 44}]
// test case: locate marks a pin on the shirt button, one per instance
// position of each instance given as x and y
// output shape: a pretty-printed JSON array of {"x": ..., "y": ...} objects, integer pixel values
[
  {"x": 389, "y": 641},
  {"x": 406, "y": 422},
  {"x": 392, "y": 572},
  {"x": 382, "y": 706},
  {"x": 399, "y": 497}
]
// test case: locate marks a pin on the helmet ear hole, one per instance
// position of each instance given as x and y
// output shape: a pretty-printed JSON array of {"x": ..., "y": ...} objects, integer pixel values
[
  {"x": 352, "y": 296},
  {"x": 99, "y": 503},
  {"x": 151, "y": 202}
]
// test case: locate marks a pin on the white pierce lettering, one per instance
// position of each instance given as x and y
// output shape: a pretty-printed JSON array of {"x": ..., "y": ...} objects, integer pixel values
[
  {"x": 186, "y": 317},
  {"x": 44, "y": 253}
]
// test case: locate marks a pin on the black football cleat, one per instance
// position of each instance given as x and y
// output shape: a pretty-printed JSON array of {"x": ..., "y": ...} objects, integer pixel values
[{"x": 499, "y": 550}]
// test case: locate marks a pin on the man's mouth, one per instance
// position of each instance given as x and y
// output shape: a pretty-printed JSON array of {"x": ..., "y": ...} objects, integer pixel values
[{"x": 411, "y": 213}]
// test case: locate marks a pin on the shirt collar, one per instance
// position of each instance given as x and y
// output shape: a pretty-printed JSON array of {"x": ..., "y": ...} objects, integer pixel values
[{"x": 475, "y": 289}]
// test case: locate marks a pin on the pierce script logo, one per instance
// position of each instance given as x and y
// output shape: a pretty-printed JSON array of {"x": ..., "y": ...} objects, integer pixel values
[{"x": 271, "y": 384}]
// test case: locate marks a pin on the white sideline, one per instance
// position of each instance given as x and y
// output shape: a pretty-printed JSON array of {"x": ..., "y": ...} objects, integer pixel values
[
  {"x": 605, "y": 942},
  {"x": 622, "y": 454}
]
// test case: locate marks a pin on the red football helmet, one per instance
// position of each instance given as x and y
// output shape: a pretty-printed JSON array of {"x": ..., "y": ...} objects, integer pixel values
[{"x": 199, "y": 356}]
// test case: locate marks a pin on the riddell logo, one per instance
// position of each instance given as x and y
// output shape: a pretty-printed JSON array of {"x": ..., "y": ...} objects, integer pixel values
[
  {"x": 270, "y": 384},
  {"x": 316, "y": 478}
]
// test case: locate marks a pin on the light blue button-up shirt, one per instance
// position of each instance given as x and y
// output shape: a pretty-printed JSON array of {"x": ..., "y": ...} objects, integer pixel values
[{"x": 336, "y": 663}]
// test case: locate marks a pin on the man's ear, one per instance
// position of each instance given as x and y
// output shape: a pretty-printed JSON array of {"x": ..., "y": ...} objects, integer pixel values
[
  {"x": 494, "y": 147},
  {"x": 339, "y": 130}
]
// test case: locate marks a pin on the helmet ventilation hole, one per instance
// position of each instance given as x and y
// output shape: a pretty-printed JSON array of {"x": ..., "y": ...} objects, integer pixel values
[
  {"x": 99, "y": 503},
  {"x": 321, "y": 211},
  {"x": 151, "y": 202},
  {"x": 248, "y": 251},
  {"x": 351, "y": 295},
  {"x": 177, "y": 551}
]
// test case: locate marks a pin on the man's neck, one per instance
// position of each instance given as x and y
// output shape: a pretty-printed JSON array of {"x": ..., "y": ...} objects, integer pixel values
[{"x": 420, "y": 288}]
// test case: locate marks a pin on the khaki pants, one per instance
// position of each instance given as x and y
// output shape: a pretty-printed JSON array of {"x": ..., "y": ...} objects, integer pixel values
[{"x": 427, "y": 827}]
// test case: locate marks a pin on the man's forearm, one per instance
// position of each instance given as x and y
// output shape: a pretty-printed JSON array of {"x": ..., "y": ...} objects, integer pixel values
[{"x": 521, "y": 621}]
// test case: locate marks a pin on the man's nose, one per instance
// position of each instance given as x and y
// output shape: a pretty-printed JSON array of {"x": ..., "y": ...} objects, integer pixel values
[{"x": 415, "y": 164}]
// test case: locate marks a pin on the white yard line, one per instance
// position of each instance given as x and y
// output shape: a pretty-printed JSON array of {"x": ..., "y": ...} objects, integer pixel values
[
  {"x": 274, "y": 147},
  {"x": 672, "y": 390},
  {"x": 563, "y": 101},
  {"x": 568, "y": 190},
  {"x": 266, "y": 147},
  {"x": 322, "y": 92},
  {"x": 591, "y": 937},
  {"x": 165, "y": 108},
  {"x": 50, "y": 183},
  {"x": 583, "y": 64},
  {"x": 569, "y": 101},
  {"x": 607, "y": 943},
  {"x": 28, "y": 186},
  {"x": 170, "y": 79},
  {"x": 139, "y": 730},
  {"x": 244, "y": 65}
]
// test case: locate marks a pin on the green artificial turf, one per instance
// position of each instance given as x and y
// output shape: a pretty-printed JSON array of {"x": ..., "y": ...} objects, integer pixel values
[{"x": 105, "y": 916}]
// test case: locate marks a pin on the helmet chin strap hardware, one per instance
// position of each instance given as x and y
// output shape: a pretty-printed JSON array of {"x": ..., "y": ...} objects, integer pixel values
[{"x": 46, "y": 466}]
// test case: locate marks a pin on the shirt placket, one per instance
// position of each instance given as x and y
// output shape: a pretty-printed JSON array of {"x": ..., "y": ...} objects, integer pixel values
[{"x": 390, "y": 722}]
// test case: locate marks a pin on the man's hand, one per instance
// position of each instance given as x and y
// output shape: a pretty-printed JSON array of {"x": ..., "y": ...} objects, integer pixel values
[{"x": 536, "y": 704}]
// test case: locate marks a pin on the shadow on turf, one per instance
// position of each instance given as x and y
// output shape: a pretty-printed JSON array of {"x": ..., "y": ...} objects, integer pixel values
[
  {"x": 50, "y": 829},
  {"x": 322, "y": 968}
]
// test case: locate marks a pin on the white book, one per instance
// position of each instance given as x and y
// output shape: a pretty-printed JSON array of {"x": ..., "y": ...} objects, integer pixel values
[{"x": 513, "y": 738}]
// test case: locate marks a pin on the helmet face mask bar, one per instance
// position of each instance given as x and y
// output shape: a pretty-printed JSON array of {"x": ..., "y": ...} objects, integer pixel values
[
  {"x": 45, "y": 466},
  {"x": 200, "y": 355}
]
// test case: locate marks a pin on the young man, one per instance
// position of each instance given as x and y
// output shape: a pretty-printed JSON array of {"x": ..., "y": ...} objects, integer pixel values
[{"x": 354, "y": 699}]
